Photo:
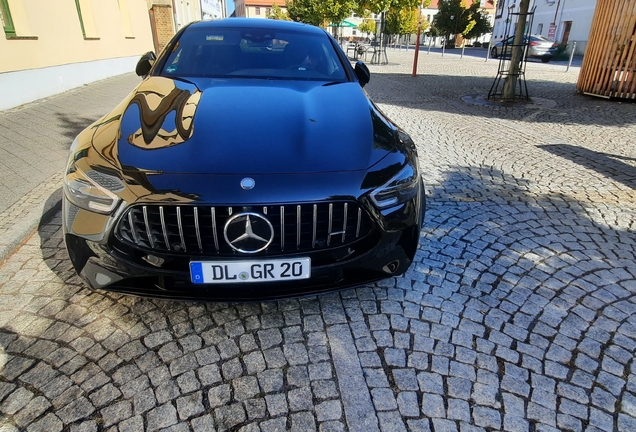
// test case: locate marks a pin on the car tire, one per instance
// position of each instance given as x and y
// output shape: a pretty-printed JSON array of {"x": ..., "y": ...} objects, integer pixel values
[
  {"x": 493, "y": 53},
  {"x": 545, "y": 60}
]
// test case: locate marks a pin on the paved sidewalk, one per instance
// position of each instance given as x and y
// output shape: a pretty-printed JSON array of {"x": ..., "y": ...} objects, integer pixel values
[
  {"x": 519, "y": 313},
  {"x": 34, "y": 143}
]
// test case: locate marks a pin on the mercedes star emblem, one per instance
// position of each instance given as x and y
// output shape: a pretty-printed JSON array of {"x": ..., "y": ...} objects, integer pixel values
[
  {"x": 248, "y": 232},
  {"x": 248, "y": 183}
]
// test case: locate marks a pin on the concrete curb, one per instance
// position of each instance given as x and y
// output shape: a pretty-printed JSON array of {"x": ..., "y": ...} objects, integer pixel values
[{"x": 25, "y": 217}]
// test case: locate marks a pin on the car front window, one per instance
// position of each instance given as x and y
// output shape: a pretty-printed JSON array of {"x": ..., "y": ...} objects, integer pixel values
[{"x": 253, "y": 53}]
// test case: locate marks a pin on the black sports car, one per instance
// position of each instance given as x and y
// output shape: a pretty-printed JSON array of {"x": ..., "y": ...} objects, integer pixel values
[{"x": 249, "y": 163}]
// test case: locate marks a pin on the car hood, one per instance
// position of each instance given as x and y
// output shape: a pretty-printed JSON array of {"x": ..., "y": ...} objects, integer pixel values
[{"x": 244, "y": 126}]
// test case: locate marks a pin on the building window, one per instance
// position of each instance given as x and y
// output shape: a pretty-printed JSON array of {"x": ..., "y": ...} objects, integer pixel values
[
  {"x": 79, "y": 14},
  {"x": 125, "y": 19},
  {"x": 86, "y": 19},
  {"x": 258, "y": 10},
  {"x": 268, "y": 11},
  {"x": 540, "y": 29},
  {"x": 5, "y": 18}
]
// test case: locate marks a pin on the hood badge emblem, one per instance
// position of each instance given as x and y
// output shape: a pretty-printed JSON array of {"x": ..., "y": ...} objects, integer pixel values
[
  {"x": 248, "y": 183},
  {"x": 248, "y": 232}
]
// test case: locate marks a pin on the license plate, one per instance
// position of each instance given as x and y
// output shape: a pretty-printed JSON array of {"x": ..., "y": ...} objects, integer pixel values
[{"x": 210, "y": 272}]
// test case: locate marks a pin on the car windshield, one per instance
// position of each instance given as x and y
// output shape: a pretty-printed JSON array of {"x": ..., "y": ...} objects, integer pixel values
[{"x": 253, "y": 53}]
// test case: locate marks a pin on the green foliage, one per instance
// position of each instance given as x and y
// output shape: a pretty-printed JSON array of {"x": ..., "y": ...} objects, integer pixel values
[
  {"x": 432, "y": 30},
  {"x": 379, "y": 6},
  {"x": 319, "y": 12},
  {"x": 367, "y": 26},
  {"x": 401, "y": 22},
  {"x": 481, "y": 26},
  {"x": 306, "y": 11},
  {"x": 278, "y": 14},
  {"x": 454, "y": 18}
]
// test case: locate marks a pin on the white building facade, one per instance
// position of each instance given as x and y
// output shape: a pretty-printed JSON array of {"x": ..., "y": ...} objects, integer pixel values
[
  {"x": 562, "y": 21},
  {"x": 213, "y": 9},
  {"x": 185, "y": 11}
]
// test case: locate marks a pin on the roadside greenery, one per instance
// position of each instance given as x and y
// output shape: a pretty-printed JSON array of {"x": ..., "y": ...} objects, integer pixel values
[
  {"x": 455, "y": 18},
  {"x": 397, "y": 17},
  {"x": 367, "y": 26},
  {"x": 319, "y": 12},
  {"x": 403, "y": 13},
  {"x": 401, "y": 22},
  {"x": 277, "y": 13}
]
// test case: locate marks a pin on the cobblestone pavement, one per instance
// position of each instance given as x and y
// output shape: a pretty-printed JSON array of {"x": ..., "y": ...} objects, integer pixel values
[{"x": 518, "y": 314}]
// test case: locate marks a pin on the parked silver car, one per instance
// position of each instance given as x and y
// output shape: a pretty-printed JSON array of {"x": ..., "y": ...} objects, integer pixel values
[{"x": 538, "y": 47}]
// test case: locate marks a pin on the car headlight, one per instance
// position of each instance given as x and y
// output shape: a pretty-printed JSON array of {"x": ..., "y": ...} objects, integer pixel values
[
  {"x": 401, "y": 188},
  {"x": 93, "y": 190}
]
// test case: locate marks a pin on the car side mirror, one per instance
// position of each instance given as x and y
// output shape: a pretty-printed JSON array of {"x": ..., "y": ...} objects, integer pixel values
[
  {"x": 145, "y": 64},
  {"x": 362, "y": 72}
]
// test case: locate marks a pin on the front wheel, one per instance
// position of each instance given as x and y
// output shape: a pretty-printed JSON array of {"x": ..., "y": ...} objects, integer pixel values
[
  {"x": 545, "y": 60},
  {"x": 493, "y": 53}
]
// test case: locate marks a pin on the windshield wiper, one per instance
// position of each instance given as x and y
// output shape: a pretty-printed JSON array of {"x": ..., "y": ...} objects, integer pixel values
[
  {"x": 333, "y": 83},
  {"x": 182, "y": 80}
]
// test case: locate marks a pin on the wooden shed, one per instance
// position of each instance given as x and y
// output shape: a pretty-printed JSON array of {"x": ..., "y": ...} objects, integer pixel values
[{"x": 609, "y": 65}]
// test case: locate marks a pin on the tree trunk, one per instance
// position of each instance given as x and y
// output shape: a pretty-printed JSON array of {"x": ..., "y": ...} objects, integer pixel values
[{"x": 516, "y": 56}]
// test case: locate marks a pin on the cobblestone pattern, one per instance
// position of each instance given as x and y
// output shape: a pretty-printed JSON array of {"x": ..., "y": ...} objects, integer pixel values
[{"x": 517, "y": 315}]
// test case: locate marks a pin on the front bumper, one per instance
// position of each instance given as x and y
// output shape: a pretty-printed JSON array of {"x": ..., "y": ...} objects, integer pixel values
[{"x": 104, "y": 262}]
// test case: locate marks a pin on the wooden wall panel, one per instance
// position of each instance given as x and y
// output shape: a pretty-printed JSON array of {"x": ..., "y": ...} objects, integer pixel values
[{"x": 609, "y": 65}]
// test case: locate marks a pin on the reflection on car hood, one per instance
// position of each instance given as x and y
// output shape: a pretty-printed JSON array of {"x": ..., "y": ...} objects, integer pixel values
[{"x": 244, "y": 126}]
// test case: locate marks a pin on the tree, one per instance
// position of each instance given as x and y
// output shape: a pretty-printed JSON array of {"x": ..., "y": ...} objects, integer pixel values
[
  {"x": 319, "y": 12},
  {"x": 454, "y": 18},
  {"x": 306, "y": 11},
  {"x": 401, "y": 22},
  {"x": 367, "y": 26},
  {"x": 432, "y": 30},
  {"x": 516, "y": 56},
  {"x": 482, "y": 26},
  {"x": 278, "y": 14},
  {"x": 382, "y": 6}
]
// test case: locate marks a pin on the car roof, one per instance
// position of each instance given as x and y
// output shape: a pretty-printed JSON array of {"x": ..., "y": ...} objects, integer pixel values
[{"x": 258, "y": 23}]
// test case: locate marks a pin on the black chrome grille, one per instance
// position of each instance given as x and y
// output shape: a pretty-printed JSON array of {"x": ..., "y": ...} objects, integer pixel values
[{"x": 199, "y": 230}]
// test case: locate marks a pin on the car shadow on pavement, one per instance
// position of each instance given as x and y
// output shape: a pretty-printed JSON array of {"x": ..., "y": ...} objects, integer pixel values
[
  {"x": 514, "y": 302},
  {"x": 443, "y": 93}
]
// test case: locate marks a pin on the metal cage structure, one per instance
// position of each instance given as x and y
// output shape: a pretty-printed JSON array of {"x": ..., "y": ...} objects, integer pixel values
[{"x": 503, "y": 71}]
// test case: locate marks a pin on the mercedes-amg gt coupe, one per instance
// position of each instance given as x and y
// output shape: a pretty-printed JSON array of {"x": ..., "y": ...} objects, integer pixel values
[{"x": 249, "y": 163}]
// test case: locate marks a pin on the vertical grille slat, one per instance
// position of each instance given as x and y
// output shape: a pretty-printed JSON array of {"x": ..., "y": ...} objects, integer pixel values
[
  {"x": 313, "y": 238},
  {"x": 180, "y": 225},
  {"x": 148, "y": 230},
  {"x": 330, "y": 224},
  {"x": 282, "y": 228},
  {"x": 214, "y": 231},
  {"x": 166, "y": 240},
  {"x": 298, "y": 226},
  {"x": 133, "y": 228},
  {"x": 344, "y": 222},
  {"x": 199, "y": 230}
]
